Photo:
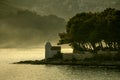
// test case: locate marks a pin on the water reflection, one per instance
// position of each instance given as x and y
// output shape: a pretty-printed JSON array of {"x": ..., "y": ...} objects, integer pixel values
[
  {"x": 88, "y": 73},
  {"x": 52, "y": 72},
  {"x": 48, "y": 72}
]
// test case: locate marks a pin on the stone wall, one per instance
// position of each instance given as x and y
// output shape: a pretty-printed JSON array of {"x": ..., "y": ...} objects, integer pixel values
[{"x": 70, "y": 56}]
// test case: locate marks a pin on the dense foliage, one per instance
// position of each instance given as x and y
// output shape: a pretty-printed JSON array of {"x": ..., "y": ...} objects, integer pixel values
[{"x": 93, "y": 31}]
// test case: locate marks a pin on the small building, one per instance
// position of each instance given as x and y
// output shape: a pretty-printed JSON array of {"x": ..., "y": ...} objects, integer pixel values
[
  {"x": 54, "y": 52},
  {"x": 51, "y": 51}
]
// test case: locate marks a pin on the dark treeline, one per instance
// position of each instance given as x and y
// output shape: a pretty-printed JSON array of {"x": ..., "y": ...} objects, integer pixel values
[{"x": 93, "y": 31}]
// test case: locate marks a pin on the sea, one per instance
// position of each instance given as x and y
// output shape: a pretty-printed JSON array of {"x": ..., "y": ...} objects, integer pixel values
[{"x": 9, "y": 71}]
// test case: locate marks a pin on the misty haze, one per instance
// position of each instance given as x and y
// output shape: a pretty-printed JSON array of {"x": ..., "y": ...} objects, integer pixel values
[
  {"x": 59, "y": 39},
  {"x": 29, "y": 23}
]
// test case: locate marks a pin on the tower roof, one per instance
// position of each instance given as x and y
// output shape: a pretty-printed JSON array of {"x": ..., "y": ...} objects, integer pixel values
[{"x": 48, "y": 43}]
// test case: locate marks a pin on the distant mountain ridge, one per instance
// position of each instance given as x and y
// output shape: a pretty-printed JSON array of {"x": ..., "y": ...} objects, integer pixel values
[{"x": 24, "y": 28}]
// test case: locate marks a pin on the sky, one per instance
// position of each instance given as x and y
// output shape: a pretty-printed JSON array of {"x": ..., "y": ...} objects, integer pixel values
[
  {"x": 28, "y": 23},
  {"x": 65, "y": 8}
]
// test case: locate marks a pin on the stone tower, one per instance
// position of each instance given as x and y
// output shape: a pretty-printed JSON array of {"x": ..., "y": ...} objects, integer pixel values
[{"x": 47, "y": 50}]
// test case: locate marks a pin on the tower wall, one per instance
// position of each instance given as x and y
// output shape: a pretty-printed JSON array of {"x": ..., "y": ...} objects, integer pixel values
[{"x": 47, "y": 50}]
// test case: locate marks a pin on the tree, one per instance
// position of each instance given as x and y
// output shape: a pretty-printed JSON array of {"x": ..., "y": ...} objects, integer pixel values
[{"x": 93, "y": 31}]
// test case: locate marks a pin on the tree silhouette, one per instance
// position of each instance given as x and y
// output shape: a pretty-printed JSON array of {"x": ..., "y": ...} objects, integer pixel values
[{"x": 93, "y": 31}]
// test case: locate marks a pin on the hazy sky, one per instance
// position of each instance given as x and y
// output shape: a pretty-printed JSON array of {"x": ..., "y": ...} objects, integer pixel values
[
  {"x": 20, "y": 27},
  {"x": 65, "y": 8}
]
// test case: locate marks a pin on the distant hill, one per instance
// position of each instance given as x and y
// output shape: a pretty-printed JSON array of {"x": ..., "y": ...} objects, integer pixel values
[{"x": 23, "y": 28}]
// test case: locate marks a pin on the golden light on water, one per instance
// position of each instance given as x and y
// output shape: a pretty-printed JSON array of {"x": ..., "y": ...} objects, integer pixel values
[{"x": 13, "y": 55}]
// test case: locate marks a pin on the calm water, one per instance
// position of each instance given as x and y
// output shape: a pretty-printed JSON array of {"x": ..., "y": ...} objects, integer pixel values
[{"x": 47, "y": 72}]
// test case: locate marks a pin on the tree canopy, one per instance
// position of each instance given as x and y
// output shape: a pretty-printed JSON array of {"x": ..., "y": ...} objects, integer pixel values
[{"x": 93, "y": 31}]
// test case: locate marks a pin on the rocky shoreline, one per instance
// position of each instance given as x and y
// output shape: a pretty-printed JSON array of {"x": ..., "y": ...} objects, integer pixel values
[{"x": 81, "y": 63}]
